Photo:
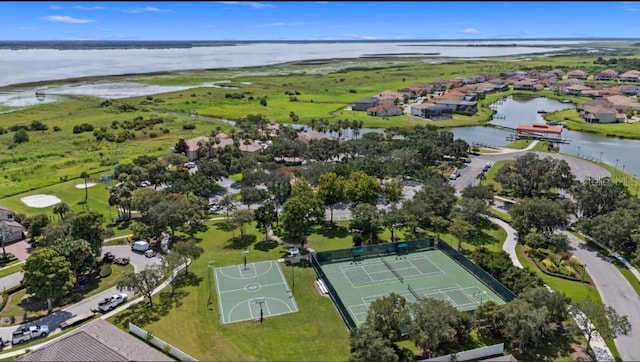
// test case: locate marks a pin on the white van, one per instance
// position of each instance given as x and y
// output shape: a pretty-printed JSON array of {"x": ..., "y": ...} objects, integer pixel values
[{"x": 140, "y": 246}]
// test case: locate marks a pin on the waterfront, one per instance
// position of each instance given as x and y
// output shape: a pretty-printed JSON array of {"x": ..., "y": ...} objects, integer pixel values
[{"x": 34, "y": 65}]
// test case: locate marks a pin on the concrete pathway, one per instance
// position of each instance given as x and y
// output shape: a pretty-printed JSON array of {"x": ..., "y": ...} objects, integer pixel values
[{"x": 510, "y": 242}]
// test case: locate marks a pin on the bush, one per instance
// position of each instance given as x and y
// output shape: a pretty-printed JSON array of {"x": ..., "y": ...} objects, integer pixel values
[
  {"x": 105, "y": 270},
  {"x": 188, "y": 126},
  {"x": 85, "y": 127},
  {"x": 56, "y": 129}
]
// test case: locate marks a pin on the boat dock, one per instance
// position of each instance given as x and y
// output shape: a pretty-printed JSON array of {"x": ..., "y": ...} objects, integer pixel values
[{"x": 540, "y": 132}]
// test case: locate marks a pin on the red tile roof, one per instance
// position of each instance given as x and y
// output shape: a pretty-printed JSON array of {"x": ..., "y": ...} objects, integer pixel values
[{"x": 539, "y": 127}]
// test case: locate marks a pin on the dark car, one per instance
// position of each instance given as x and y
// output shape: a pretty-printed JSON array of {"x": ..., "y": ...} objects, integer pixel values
[
  {"x": 108, "y": 257},
  {"x": 121, "y": 261}
]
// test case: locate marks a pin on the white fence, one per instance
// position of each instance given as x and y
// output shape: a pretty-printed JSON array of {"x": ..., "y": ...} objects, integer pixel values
[
  {"x": 164, "y": 346},
  {"x": 472, "y": 354}
]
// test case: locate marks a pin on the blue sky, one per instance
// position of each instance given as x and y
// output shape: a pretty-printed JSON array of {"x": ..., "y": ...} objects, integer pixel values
[{"x": 315, "y": 20}]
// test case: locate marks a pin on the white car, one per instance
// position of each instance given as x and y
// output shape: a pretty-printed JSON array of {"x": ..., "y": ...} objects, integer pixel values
[
  {"x": 150, "y": 253},
  {"x": 190, "y": 165}
]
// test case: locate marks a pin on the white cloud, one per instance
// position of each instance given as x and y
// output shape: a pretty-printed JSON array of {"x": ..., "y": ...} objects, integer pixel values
[
  {"x": 81, "y": 7},
  {"x": 297, "y": 23},
  {"x": 147, "y": 9},
  {"x": 360, "y": 37},
  {"x": 469, "y": 31},
  {"x": 251, "y": 4},
  {"x": 66, "y": 19},
  {"x": 55, "y": 7}
]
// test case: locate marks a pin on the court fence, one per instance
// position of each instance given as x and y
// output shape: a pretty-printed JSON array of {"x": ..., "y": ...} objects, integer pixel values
[
  {"x": 399, "y": 247},
  {"x": 486, "y": 278},
  {"x": 344, "y": 313}
]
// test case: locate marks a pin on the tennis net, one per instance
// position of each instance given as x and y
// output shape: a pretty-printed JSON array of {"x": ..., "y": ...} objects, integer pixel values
[
  {"x": 413, "y": 292},
  {"x": 392, "y": 270}
]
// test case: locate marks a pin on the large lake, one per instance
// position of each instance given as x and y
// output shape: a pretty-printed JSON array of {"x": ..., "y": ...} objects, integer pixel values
[{"x": 31, "y": 65}]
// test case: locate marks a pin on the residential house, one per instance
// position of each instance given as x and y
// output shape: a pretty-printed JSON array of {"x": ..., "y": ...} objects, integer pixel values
[
  {"x": 577, "y": 74},
  {"x": 630, "y": 90},
  {"x": 500, "y": 84},
  {"x": 527, "y": 85},
  {"x": 251, "y": 148},
  {"x": 600, "y": 114},
  {"x": 272, "y": 128},
  {"x": 413, "y": 91},
  {"x": 597, "y": 102},
  {"x": 306, "y": 136},
  {"x": 477, "y": 78},
  {"x": 630, "y": 76},
  {"x": 97, "y": 341},
  {"x": 193, "y": 147},
  {"x": 623, "y": 103},
  {"x": 221, "y": 140},
  {"x": 389, "y": 97},
  {"x": 606, "y": 75},
  {"x": 365, "y": 103},
  {"x": 431, "y": 111},
  {"x": 6, "y": 214},
  {"x": 8, "y": 219},
  {"x": 576, "y": 90},
  {"x": 384, "y": 110}
]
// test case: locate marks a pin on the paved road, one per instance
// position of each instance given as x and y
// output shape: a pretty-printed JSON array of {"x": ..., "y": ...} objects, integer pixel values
[
  {"x": 510, "y": 242},
  {"x": 615, "y": 291},
  {"x": 11, "y": 280},
  {"x": 138, "y": 261}
]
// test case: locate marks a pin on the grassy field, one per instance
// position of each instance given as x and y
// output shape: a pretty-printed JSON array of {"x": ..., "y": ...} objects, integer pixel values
[
  {"x": 10, "y": 270},
  {"x": 572, "y": 121},
  {"x": 198, "y": 331}
]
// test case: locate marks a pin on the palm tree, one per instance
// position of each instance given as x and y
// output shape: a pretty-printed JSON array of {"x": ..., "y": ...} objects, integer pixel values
[
  {"x": 228, "y": 202},
  {"x": 85, "y": 176},
  {"x": 5, "y": 234},
  {"x": 61, "y": 210}
]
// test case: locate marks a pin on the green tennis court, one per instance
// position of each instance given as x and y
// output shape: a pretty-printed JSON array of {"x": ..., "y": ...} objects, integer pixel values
[
  {"x": 259, "y": 290},
  {"x": 430, "y": 273}
]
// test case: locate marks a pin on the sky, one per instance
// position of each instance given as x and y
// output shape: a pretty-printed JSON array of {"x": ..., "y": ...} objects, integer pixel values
[{"x": 316, "y": 20}]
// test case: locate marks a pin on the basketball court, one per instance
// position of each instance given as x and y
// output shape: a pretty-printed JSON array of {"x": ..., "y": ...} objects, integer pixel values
[{"x": 254, "y": 292}]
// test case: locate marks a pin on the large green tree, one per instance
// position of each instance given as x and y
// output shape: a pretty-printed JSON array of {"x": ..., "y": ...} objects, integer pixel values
[
  {"x": 78, "y": 253},
  {"x": 331, "y": 190},
  {"x": 366, "y": 220},
  {"x": 188, "y": 249},
  {"x": 461, "y": 229},
  {"x": 539, "y": 214},
  {"x": 48, "y": 275},
  {"x": 599, "y": 317},
  {"x": 438, "y": 327},
  {"x": 265, "y": 216},
  {"x": 362, "y": 188},
  {"x": 299, "y": 214},
  {"x": 529, "y": 175},
  {"x": 143, "y": 282},
  {"x": 598, "y": 197},
  {"x": 390, "y": 315}
]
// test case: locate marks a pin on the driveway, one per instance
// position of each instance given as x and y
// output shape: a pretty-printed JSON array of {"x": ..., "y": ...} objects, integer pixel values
[
  {"x": 20, "y": 249},
  {"x": 138, "y": 261},
  {"x": 615, "y": 292}
]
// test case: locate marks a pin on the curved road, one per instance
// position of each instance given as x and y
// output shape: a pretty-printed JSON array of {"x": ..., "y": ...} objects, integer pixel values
[{"x": 53, "y": 320}]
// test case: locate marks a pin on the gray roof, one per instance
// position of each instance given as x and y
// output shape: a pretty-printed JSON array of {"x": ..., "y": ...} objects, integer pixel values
[
  {"x": 96, "y": 341},
  {"x": 368, "y": 100}
]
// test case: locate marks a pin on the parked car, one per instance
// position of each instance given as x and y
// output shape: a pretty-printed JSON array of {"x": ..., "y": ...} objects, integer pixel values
[
  {"x": 110, "y": 303},
  {"x": 25, "y": 334},
  {"x": 215, "y": 208},
  {"x": 121, "y": 261},
  {"x": 108, "y": 257},
  {"x": 190, "y": 165},
  {"x": 140, "y": 246},
  {"x": 150, "y": 253},
  {"x": 487, "y": 166},
  {"x": 145, "y": 184}
]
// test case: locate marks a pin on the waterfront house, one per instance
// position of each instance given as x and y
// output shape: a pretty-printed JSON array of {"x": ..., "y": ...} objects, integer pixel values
[
  {"x": 365, "y": 103},
  {"x": 623, "y": 103},
  {"x": 307, "y": 136},
  {"x": 431, "y": 111},
  {"x": 576, "y": 90},
  {"x": 527, "y": 85},
  {"x": 600, "y": 114},
  {"x": 384, "y": 110},
  {"x": 630, "y": 90}
]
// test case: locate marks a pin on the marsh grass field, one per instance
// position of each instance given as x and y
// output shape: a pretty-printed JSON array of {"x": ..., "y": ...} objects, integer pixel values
[{"x": 51, "y": 163}]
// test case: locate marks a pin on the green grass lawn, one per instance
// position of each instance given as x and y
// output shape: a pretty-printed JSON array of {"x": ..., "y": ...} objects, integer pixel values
[
  {"x": 10, "y": 270},
  {"x": 16, "y": 309},
  {"x": 197, "y": 329},
  {"x": 491, "y": 175}
]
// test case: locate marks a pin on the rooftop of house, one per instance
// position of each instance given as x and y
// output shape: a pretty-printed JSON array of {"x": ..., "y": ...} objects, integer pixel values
[
  {"x": 310, "y": 135},
  {"x": 96, "y": 341},
  {"x": 193, "y": 144},
  {"x": 577, "y": 72}
]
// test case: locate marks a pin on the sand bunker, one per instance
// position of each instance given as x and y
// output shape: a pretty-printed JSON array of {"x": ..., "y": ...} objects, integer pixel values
[
  {"x": 85, "y": 186},
  {"x": 40, "y": 201}
]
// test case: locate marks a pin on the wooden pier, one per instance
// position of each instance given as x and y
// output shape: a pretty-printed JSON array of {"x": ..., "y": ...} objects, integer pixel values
[{"x": 539, "y": 133}]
